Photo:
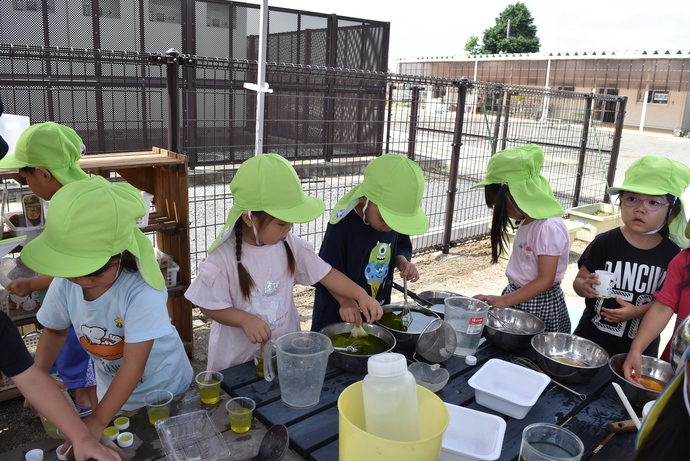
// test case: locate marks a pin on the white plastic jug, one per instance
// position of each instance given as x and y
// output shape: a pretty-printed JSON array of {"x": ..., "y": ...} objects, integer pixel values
[
  {"x": 11, "y": 126},
  {"x": 302, "y": 359},
  {"x": 390, "y": 399}
]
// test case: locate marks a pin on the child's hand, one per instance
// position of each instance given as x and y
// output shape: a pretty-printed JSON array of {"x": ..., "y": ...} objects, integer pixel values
[
  {"x": 371, "y": 309},
  {"x": 20, "y": 286},
  {"x": 592, "y": 279},
  {"x": 493, "y": 301},
  {"x": 627, "y": 311},
  {"x": 349, "y": 312},
  {"x": 632, "y": 367},
  {"x": 409, "y": 271},
  {"x": 256, "y": 329}
]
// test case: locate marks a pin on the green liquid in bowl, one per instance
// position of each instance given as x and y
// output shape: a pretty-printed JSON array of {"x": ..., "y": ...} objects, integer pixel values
[
  {"x": 393, "y": 320},
  {"x": 366, "y": 345}
]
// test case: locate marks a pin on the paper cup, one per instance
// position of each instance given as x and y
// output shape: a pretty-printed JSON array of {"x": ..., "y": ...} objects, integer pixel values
[
  {"x": 125, "y": 439},
  {"x": 34, "y": 455},
  {"x": 111, "y": 432},
  {"x": 608, "y": 283},
  {"x": 121, "y": 423}
]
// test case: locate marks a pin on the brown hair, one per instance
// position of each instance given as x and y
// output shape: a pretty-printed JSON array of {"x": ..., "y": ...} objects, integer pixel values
[{"x": 246, "y": 281}]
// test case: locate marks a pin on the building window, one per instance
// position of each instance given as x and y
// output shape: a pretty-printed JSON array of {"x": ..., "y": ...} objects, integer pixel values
[
  {"x": 653, "y": 97},
  {"x": 169, "y": 11},
  {"x": 33, "y": 5},
  {"x": 106, "y": 8},
  {"x": 220, "y": 16}
]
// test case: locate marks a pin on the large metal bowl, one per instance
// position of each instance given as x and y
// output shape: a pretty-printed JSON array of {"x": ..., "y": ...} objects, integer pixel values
[
  {"x": 680, "y": 342},
  {"x": 502, "y": 335},
  {"x": 565, "y": 346},
  {"x": 651, "y": 366},
  {"x": 436, "y": 298},
  {"x": 406, "y": 341},
  {"x": 351, "y": 362}
]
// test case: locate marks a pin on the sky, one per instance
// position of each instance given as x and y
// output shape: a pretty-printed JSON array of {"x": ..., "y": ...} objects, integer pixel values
[{"x": 442, "y": 27}]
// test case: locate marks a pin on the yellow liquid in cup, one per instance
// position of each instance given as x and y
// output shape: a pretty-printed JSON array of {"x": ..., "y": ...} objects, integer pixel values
[
  {"x": 240, "y": 420},
  {"x": 156, "y": 413},
  {"x": 209, "y": 391}
]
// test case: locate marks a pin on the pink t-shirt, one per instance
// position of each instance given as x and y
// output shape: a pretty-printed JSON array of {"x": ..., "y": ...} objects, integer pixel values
[
  {"x": 670, "y": 293},
  {"x": 547, "y": 237},
  {"x": 217, "y": 287}
]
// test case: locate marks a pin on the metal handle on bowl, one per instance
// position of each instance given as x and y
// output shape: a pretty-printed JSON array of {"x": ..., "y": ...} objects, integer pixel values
[{"x": 527, "y": 363}]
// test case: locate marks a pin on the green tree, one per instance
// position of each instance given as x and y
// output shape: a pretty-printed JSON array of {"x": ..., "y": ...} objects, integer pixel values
[
  {"x": 472, "y": 45},
  {"x": 514, "y": 32}
]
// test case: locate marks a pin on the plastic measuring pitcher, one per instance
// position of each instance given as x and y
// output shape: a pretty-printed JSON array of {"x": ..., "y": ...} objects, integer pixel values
[
  {"x": 467, "y": 316},
  {"x": 302, "y": 358}
]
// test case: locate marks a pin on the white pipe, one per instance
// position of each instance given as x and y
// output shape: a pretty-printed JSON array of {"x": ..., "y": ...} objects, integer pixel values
[{"x": 644, "y": 110}]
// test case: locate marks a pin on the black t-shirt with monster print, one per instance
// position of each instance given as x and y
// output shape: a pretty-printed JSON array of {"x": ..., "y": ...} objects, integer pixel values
[{"x": 364, "y": 255}]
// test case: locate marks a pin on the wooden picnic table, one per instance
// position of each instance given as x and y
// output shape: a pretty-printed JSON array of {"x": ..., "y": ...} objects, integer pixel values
[
  {"x": 147, "y": 445},
  {"x": 314, "y": 431}
]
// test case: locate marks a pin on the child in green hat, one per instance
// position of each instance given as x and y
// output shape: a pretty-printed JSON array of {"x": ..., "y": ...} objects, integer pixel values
[
  {"x": 245, "y": 284},
  {"x": 109, "y": 287},
  {"x": 515, "y": 189},
  {"x": 47, "y": 156},
  {"x": 638, "y": 253},
  {"x": 367, "y": 237}
]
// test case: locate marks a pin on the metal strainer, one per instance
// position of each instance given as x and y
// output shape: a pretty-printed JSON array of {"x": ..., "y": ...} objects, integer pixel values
[{"x": 437, "y": 341}]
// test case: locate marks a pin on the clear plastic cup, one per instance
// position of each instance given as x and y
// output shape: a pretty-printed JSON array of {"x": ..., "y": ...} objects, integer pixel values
[
  {"x": 208, "y": 383},
  {"x": 241, "y": 410},
  {"x": 158, "y": 404}
]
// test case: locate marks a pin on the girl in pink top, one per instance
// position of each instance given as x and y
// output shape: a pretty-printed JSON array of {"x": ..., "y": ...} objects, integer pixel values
[{"x": 515, "y": 189}]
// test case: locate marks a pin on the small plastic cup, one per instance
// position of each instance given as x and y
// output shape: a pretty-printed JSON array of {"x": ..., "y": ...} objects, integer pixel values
[
  {"x": 241, "y": 410},
  {"x": 111, "y": 432},
  {"x": 608, "y": 283},
  {"x": 34, "y": 455},
  {"x": 121, "y": 423},
  {"x": 60, "y": 456},
  {"x": 158, "y": 404},
  {"x": 125, "y": 439},
  {"x": 208, "y": 383},
  {"x": 259, "y": 361}
]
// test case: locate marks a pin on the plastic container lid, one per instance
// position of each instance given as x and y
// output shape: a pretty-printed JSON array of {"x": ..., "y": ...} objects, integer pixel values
[
  {"x": 387, "y": 364},
  {"x": 34, "y": 455},
  {"x": 471, "y": 360},
  {"x": 62, "y": 457},
  {"x": 125, "y": 439}
]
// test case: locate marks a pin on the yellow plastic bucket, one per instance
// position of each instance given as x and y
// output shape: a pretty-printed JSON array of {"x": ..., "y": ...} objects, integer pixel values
[{"x": 356, "y": 444}]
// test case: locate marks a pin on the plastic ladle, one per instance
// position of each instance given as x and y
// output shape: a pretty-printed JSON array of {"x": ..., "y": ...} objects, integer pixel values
[
  {"x": 626, "y": 404},
  {"x": 274, "y": 444}
]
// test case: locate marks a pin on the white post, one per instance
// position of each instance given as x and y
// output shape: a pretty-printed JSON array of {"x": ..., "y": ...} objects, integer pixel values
[
  {"x": 261, "y": 86},
  {"x": 545, "y": 106},
  {"x": 644, "y": 110}
]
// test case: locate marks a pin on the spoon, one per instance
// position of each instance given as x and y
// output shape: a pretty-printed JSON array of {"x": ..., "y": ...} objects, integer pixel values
[
  {"x": 274, "y": 444},
  {"x": 626, "y": 404},
  {"x": 506, "y": 326},
  {"x": 405, "y": 314}
]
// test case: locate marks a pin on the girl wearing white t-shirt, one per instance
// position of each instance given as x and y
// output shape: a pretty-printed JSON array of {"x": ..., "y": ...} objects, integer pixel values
[
  {"x": 516, "y": 190},
  {"x": 245, "y": 283}
]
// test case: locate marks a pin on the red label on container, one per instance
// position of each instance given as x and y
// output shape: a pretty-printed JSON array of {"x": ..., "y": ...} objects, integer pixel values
[{"x": 476, "y": 321}]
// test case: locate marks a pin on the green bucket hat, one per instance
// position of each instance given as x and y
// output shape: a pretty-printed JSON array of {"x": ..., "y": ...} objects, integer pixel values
[
  {"x": 52, "y": 146},
  {"x": 396, "y": 185},
  {"x": 652, "y": 175},
  {"x": 267, "y": 182},
  {"x": 90, "y": 221},
  {"x": 520, "y": 167}
]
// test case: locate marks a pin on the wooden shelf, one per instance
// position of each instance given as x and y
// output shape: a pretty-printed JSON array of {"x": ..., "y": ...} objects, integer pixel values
[{"x": 164, "y": 174}]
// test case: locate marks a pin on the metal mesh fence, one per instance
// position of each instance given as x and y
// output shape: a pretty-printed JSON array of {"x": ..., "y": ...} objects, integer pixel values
[{"x": 329, "y": 122}]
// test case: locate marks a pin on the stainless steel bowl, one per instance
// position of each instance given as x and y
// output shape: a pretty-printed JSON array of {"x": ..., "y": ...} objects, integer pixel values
[
  {"x": 406, "y": 341},
  {"x": 502, "y": 335},
  {"x": 351, "y": 362},
  {"x": 436, "y": 298},
  {"x": 571, "y": 348},
  {"x": 680, "y": 342},
  {"x": 651, "y": 366}
]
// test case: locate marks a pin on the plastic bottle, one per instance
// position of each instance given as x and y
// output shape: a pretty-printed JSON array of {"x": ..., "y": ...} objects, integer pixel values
[{"x": 390, "y": 399}]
